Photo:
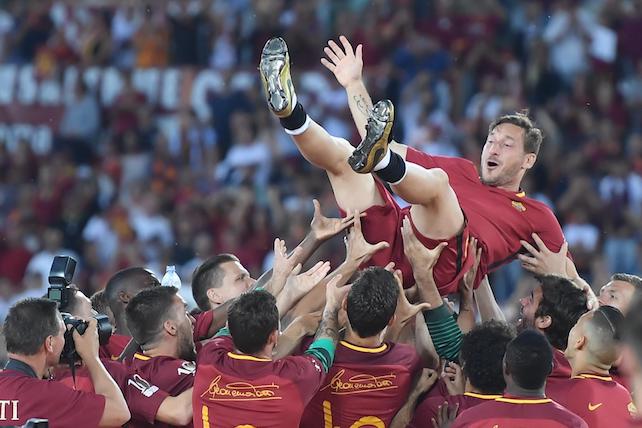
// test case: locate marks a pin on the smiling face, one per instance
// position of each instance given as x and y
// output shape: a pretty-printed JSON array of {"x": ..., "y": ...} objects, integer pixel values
[{"x": 504, "y": 160}]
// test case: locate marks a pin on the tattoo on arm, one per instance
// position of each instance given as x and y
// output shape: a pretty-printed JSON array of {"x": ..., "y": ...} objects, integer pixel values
[
  {"x": 362, "y": 104},
  {"x": 329, "y": 327}
]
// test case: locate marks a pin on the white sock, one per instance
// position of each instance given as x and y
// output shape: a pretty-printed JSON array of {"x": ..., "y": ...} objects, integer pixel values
[
  {"x": 300, "y": 130},
  {"x": 383, "y": 162}
]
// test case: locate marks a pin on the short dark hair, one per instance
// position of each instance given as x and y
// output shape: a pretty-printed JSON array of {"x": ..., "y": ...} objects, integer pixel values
[
  {"x": 481, "y": 355},
  {"x": 564, "y": 304},
  {"x": 251, "y": 319},
  {"x": 372, "y": 301},
  {"x": 532, "y": 135},
  {"x": 208, "y": 275},
  {"x": 529, "y": 359},
  {"x": 632, "y": 327},
  {"x": 634, "y": 280},
  {"x": 125, "y": 279},
  {"x": 606, "y": 327},
  {"x": 99, "y": 302},
  {"x": 28, "y": 323},
  {"x": 147, "y": 311}
]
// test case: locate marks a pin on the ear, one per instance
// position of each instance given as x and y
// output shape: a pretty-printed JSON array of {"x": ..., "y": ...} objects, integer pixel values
[
  {"x": 214, "y": 297},
  {"x": 344, "y": 303},
  {"x": 580, "y": 342},
  {"x": 273, "y": 338},
  {"x": 542, "y": 323},
  {"x": 49, "y": 344},
  {"x": 124, "y": 297},
  {"x": 393, "y": 318},
  {"x": 170, "y": 327},
  {"x": 529, "y": 161}
]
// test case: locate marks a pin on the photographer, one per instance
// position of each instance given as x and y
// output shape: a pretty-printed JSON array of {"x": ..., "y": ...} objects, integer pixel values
[{"x": 34, "y": 331}]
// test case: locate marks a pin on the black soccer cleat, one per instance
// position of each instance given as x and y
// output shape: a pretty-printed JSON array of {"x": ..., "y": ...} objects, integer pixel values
[
  {"x": 378, "y": 133},
  {"x": 275, "y": 75}
]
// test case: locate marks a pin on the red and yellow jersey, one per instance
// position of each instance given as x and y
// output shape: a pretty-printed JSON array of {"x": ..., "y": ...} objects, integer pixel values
[
  {"x": 561, "y": 372},
  {"x": 237, "y": 390},
  {"x": 518, "y": 412},
  {"x": 364, "y": 387},
  {"x": 498, "y": 218},
  {"x": 116, "y": 345},
  {"x": 599, "y": 400},
  {"x": 427, "y": 409}
]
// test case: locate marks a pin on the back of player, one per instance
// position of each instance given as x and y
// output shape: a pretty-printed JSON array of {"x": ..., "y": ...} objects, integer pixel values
[
  {"x": 365, "y": 386},
  {"x": 370, "y": 379}
]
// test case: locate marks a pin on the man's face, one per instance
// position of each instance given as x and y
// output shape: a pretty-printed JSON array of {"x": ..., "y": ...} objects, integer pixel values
[
  {"x": 617, "y": 294},
  {"x": 236, "y": 280},
  {"x": 576, "y": 333},
  {"x": 503, "y": 156},
  {"x": 57, "y": 343},
  {"x": 185, "y": 328},
  {"x": 528, "y": 308}
]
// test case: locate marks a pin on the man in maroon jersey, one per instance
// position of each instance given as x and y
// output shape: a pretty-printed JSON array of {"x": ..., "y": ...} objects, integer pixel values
[
  {"x": 481, "y": 356},
  {"x": 35, "y": 336},
  {"x": 591, "y": 393},
  {"x": 370, "y": 379},
  {"x": 527, "y": 363},
  {"x": 632, "y": 338},
  {"x": 553, "y": 308},
  {"x": 237, "y": 382},
  {"x": 450, "y": 201},
  {"x": 158, "y": 320},
  {"x": 120, "y": 289}
]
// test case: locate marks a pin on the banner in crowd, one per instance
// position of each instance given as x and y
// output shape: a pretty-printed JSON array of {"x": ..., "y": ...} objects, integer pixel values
[{"x": 31, "y": 108}]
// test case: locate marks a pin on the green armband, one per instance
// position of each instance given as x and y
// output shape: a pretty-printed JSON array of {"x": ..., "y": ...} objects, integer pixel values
[
  {"x": 223, "y": 332},
  {"x": 323, "y": 350},
  {"x": 444, "y": 331}
]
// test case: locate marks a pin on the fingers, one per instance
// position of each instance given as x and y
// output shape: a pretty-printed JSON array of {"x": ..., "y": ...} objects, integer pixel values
[
  {"x": 380, "y": 246},
  {"x": 317, "y": 207},
  {"x": 330, "y": 53},
  {"x": 327, "y": 64},
  {"x": 529, "y": 248},
  {"x": 359, "y": 52},
  {"x": 540, "y": 244},
  {"x": 347, "y": 47},
  {"x": 439, "y": 248},
  {"x": 296, "y": 269},
  {"x": 356, "y": 221},
  {"x": 390, "y": 267},
  {"x": 453, "y": 412},
  {"x": 421, "y": 307},
  {"x": 527, "y": 259},
  {"x": 564, "y": 248},
  {"x": 336, "y": 49}
]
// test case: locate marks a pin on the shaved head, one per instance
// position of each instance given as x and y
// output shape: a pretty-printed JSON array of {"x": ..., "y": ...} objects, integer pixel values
[{"x": 596, "y": 335}]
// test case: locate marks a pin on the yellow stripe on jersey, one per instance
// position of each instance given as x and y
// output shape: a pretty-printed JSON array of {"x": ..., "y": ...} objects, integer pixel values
[
  {"x": 246, "y": 357},
  {"x": 482, "y": 396},
  {"x": 206, "y": 416},
  {"x": 362, "y": 349},
  {"x": 142, "y": 357},
  {"x": 524, "y": 400},
  {"x": 590, "y": 376}
]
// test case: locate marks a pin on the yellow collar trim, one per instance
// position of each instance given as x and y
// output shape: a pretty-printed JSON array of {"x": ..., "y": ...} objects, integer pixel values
[
  {"x": 591, "y": 376},
  {"x": 246, "y": 357},
  {"x": 524, "y": 400},
  {"x": 482, "y": 396},
  {"x": 520, "y": 194},
  {"x": 363, "y": 349},
  {"x": 142, "y": 357}
]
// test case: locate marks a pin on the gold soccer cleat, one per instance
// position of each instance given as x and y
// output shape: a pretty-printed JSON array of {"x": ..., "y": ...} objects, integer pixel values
[
  {"x": 275, "y": 74},
  {"x": 374, "y": 146}
]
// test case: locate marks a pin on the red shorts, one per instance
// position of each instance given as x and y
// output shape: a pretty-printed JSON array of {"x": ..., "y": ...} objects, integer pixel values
[{"x": 384, "y": 222}]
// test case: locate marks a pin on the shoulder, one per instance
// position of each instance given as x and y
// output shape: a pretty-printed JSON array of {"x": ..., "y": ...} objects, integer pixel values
[
  {"x": 217, "y": 346},
  {"x": 298, "y": 366},
  {"x": 404, "y": 354}
]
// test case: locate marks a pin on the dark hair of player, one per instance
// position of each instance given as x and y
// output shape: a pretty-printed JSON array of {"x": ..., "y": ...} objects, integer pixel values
[
  {"x": 529, "y": 359},
  {"x": 251, "y": 319},
  {"x": 481, "y": 355},
  {"x": 147, "y": 311},
  {"x": 209, "y": 275},
  {"x": 372, "y": 301},
  {"x": 28, "y": 323},
  {"x": 564, "y": 304}
]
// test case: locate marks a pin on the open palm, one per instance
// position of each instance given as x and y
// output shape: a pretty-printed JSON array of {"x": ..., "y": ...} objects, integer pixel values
[{"x": 345, "y": 63}]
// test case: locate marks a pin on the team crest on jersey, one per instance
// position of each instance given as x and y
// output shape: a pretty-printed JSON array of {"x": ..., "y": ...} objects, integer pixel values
[{"x": 518, "y": 206}]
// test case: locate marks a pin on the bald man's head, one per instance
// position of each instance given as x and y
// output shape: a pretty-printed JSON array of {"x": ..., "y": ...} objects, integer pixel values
[
  {"x": 126, "y": 284},
  {"x": 595, "y": 336}
]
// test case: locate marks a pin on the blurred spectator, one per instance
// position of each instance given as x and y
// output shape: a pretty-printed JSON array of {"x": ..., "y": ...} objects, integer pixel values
[{"x": 79, "y": 124}]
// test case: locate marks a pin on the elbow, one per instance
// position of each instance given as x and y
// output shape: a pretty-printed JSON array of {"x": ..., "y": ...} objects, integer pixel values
[
  {"x": 123, "y": 416},
  {"x": 184, "y": 417}
]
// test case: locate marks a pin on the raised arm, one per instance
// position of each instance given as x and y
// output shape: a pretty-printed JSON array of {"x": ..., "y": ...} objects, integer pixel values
[
  {"x": 423, "y": 383},
  {"x": 466, "y": 318},
  {"x": 486, "y": 304}
]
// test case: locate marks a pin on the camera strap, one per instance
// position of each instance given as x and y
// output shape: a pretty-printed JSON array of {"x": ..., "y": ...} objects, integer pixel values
[{"x": 19, "y": 366}]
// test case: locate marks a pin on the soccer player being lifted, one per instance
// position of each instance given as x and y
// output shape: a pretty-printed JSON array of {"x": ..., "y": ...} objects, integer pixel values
[{"x": 450, "y": 201}]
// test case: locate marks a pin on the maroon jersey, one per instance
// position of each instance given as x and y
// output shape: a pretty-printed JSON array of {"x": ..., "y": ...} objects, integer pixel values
[
  {"x": 620, "y": 378},
  {"x": 172, "y": 375},
  {"x": 427, "y": 409},
  {"x": 116, "y": 345},
  {"x": 232, "y": 389},
  {"x": 203, "y": 321},
  {"x": 561, "y": 372},
  {"x": 519, "y": 412},
  {"x": 363, "y": 385},
  {"x": 599, "y": 400},
  {"x": 143, "y": 398},
  {"x": 498, "y": 218},
  {"x": 23, "y": 396}
]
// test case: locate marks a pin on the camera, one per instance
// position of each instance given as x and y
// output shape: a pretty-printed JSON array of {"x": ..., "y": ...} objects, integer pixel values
[
  {"x": 60, "y": 276},
  {"x": 69, "y": 354}
]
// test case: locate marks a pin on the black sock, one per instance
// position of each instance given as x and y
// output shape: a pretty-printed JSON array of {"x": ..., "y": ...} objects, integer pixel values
[
  {"x": 395, "y": 170},
  {"x": 296, "y": 119}
]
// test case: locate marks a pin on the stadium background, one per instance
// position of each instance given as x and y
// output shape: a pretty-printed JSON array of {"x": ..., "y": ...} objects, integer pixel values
[{"x": 138, "y": 135}]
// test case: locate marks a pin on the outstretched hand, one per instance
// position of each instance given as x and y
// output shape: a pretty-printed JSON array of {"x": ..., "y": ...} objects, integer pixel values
[
  {"x": 543, "y": 261},
  {"x": 343, "y": 61},
  {"x": 358, "y": 250},
  {"x": 406, "y": 311},
  {"x": 323, "y": 228}
]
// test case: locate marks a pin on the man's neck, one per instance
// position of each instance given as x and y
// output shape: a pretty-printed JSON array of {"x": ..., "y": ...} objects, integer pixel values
[
  {"x": 366, "y": 342},
  {"x": 516, "y": 391},
  {"x": 121, "y": 326},
  {"x": 37, "y": 363},
  {"x": 581, "y": 365},
  {"x": 162, "y": 350}
]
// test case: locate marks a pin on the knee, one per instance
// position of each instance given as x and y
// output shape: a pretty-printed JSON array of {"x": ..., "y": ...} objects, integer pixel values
[{"x": 440, "y": 178}]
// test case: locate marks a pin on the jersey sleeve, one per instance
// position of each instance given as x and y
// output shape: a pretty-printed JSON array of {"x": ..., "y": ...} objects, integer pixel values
[
  {"x": 202, "y": 325},
  {"x": 143, "y": 398},
  {"x": 549, "y": 229},
  {"x": 222, "y": 342},
  {"x": 307, "y": 372},
  {"x": 64, "y": 403}
]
